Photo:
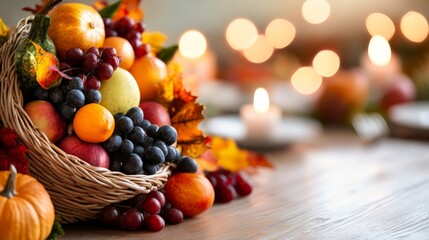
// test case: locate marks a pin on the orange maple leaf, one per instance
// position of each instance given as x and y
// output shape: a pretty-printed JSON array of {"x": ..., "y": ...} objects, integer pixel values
[{"x": 131, "y": 9}]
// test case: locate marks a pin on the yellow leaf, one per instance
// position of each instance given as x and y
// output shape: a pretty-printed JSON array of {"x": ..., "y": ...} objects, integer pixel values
[
  {"x": 230, "y": 157},
  {"x": 193, "y": 148},
  {"x": 4, "y": 30},
  {"x": 45, "y": 66},
  {"x": 155, "y": 39}
]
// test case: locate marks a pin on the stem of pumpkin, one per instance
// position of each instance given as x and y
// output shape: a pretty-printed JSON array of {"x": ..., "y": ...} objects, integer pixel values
[
  {"x": 49, "y": 5},
  {"x": 9, "y": 188}
]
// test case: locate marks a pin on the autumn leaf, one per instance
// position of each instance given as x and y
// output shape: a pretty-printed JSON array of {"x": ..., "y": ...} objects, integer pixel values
[
  {"x": 184, "y": 111},
  {"x": 38, "y": 8},
  {"x": 131, "y": 9},
  {"x": 207, "y": 162},
  {"x": 4, "y": 32},
  {"x": 186, "y": 120},
  {"x": 100, "y": 4},
  {"x": 107, "y": 11},
  {"x": 190, "y": 138},
  {"x": 156, "y": 40},
  {"x": 226, "y": 154},
  {"x": 167, "y": 53},
  {"x": 45, "y": 67},
  {"x": 172, "y": 94}
]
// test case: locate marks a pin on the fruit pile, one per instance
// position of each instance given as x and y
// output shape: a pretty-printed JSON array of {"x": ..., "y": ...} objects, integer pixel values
[
  {"x": 92, "y": 89},
  {"x": 91, "y": 109}
]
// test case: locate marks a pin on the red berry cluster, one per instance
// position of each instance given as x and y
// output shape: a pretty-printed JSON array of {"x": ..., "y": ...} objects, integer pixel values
[
  {"x": 127, "y": 28},
  {"x": 228, "y": 185},
  {"x": 142, "y": 212}
]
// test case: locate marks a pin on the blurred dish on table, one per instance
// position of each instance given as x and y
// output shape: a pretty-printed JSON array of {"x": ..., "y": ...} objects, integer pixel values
[
  {"x": 292, "y": 129},
  {"x": 413, "y": 115}
]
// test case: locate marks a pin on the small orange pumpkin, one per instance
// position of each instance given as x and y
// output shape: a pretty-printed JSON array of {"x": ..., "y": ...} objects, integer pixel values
[{"x": 26, "y": 209}]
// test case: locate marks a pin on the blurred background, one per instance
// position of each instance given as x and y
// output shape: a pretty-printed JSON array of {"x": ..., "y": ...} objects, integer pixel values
[{"x": 325, "y": 58}]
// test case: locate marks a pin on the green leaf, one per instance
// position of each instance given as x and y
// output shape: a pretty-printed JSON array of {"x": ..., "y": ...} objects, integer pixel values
[
  {"x": 57, "y": 231},
  {"x": 110, "y": 10},
  {"x": 166, "y": 54}
]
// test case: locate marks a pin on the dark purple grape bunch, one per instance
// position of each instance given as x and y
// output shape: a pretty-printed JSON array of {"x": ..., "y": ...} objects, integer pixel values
[
  {"x": 139, "y": 147},
  {"x": 96, "y": 64},
  {"x": 127, "y": 28},
  {"x": 228, "y": 185},
  {"x": 143, "y": 212},
  {"x": 69, "y": 96}
]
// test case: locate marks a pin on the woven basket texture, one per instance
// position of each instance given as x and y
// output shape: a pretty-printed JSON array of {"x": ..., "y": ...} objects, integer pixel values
[{"x": 78, "y": 190}]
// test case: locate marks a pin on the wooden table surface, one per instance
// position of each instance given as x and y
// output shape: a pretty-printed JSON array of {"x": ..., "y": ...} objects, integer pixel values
[{"x": 332, "y": 188}]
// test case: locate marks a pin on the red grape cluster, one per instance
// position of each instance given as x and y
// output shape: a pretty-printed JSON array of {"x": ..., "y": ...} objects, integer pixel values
[
  {"x": 127, "y": 28},
  {"x": 228, "y": 185},
  {"x": 92, "y": 66},
  {"x": 142, "y": 212}
]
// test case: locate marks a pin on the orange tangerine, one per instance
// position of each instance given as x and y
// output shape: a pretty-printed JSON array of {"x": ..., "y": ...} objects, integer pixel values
[
  {"x": 93, "y": 123},
  {"x": 124, "y": 50},
  {"x": 148, "y": 72}
]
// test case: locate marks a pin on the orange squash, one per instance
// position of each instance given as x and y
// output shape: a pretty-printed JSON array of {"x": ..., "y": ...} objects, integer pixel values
[
  {"x": 26, "y": 209},
  {"x": 75, "y": 25}
]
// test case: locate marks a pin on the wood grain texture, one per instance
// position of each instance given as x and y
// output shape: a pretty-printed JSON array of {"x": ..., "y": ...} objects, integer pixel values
[{"x": 334, "y": 188}]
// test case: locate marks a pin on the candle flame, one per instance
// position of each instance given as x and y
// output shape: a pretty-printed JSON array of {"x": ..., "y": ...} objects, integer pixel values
[{"x": 261, "y": 101}]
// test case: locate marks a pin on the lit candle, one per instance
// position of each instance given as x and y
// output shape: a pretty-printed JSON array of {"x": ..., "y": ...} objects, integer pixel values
[{"x": 261, "y": 118}]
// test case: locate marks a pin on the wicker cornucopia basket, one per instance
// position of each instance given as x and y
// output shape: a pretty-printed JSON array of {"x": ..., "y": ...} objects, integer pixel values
[{"x": 78, "y": 190}]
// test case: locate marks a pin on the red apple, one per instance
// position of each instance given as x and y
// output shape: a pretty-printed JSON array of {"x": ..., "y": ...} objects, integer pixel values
[
  {"x": 91, "y": 153},
  {"x": 401, "y": 90},
  {"x": 155, "y": 113},
  {"x": 47, "y": 119}
]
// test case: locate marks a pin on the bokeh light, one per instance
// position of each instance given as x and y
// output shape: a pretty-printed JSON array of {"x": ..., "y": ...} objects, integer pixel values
[
  {"x": 380, "y": 24},
  {"x": 241, "y": 33},
  {"x": 260, "y": 51},
  {"x": 379, "y": 51},
  {"x": 192, "y": 44},
  {"x": 280, "y": 33},
  {"x": 414, "y": 26},
  {"x": 306, "y": 80},
  {"x": 326, "y": 63},
  {"x": 316, "y": 11},
  {"x": 261, "y": 100}
]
